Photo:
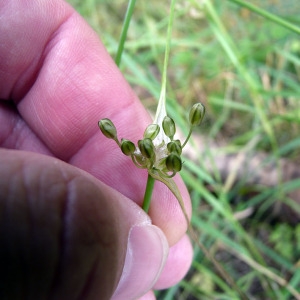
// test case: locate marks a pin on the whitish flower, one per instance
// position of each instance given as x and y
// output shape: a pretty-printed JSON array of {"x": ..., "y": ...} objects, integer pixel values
[{"x": 157, "y": 151}]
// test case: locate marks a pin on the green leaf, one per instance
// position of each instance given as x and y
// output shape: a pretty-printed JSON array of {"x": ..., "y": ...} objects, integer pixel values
[{"x": 170, "y": 183}]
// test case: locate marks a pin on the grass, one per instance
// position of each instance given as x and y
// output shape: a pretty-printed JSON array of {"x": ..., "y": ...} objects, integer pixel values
[{"x": 242, "y": 60}]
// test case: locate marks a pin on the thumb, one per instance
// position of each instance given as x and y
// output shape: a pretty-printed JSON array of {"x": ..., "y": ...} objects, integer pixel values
[{"x": 65, "y": 235}]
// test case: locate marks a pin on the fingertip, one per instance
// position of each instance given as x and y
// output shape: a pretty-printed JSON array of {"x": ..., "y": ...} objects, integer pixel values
[
  {"x": 177, "y": 265},
  {"x": 147, "y": 251},
  {"x": 167, "y": 213},
  {"x": 149, "y": 296}
]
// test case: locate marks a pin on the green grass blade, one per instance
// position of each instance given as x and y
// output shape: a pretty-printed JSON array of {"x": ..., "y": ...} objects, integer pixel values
[
  {"x": 125, "y": 27},
  {"x": 266, "y": 15}
]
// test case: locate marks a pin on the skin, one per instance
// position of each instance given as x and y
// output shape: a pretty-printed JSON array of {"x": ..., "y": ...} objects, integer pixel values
[{"x": 69, "y": 200}]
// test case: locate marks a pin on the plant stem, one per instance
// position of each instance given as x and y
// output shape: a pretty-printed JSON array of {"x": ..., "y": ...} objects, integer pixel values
[
  {"x": 188, "y": 137},
  {"x": 126, "y": 23},
  {"x": 161, "y": 107},
  {"x": 148, "y": 193}
]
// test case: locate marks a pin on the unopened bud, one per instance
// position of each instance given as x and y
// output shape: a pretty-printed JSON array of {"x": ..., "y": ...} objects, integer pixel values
[
  {"x": 151, "y": 131},
  {"x": 173, "y": 162},
  {"x": 169, "y": 127},
  {"x": 146, "y": 147},
  {"x": 127, "y": 147},
  {"x": 175, "y": 147},
  {"x": 108, "y": 128},
  {"x": 196, "y": 114}
]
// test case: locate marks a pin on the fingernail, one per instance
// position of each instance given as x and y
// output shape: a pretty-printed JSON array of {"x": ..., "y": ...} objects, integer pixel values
[{"x": 146, "y": 255}]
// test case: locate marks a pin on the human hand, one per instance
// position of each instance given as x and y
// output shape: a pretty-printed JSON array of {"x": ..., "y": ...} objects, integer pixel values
[{"x": 64, "y": 233}]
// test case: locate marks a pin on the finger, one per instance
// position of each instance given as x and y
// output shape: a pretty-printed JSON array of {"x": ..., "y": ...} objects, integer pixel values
[
  {"x": 15, "y": 134},
  {"x": 65, "y": 234},
  {"x": 177, "y": 265},
  {"x": 179, "y": 262},
  {"x": 149, "y": 296},
  {"x": 64, "y": 86}
]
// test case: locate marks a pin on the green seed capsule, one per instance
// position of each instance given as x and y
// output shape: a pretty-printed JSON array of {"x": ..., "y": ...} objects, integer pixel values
[
  {"x": 196, "y": 114},
  {"x": 146, "y": 147},
  {"x": 169, "y": 127},
  {"x": 173, "y": 162},
  {"x": 175, "y": 147},
  {"x": 151, "y": 131},
  {"x": 127, "y": 147},
  {"x": 108, "y": 128}
]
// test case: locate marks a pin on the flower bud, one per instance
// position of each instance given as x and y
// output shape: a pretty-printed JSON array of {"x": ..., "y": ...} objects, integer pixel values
[
  {"x": 151, "y": 131},
  {"x": 108, "y": 128},
  {"x": 169, "y": 127},
  {"x": 175, "y": 147},
  {"x": 127, "y": 147},
  {"x": 173, "y": 162},
  {"x": 196, "y": 114},
  {"x": 146, "y": 147}
]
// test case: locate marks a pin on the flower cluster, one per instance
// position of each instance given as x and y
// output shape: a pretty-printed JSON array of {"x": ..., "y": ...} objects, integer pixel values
[{"x": 157, "y": 151}]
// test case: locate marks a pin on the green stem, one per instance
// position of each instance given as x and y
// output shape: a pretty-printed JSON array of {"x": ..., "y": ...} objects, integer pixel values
[
  {"x": 161, "y": 107},
  {"x": 188, "y": 137},
  {"x": 167, "y": 50},
  {"x": 126, "y": 23},
  {"x": 148, "y": 193}
]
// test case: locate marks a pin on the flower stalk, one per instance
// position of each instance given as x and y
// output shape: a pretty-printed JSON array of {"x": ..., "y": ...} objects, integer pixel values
[
  {"x": 157, "y": 151},
  {"x": 148, "y": 193}
]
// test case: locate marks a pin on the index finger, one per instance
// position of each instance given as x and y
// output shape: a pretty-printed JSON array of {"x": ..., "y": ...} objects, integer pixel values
[{"x": 63, "y": 81}]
